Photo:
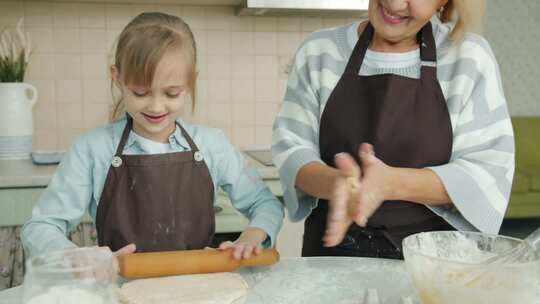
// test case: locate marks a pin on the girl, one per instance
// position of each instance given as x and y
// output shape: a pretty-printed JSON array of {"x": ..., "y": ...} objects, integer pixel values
[
  {"x": 419, "y": 105},
  {"x": 149, "y": 180}
]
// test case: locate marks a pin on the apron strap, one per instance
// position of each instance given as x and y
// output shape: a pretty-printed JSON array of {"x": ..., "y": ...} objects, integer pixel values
[
  {"x": 357, "y": 57},
  {"x": 129, "y": 126},
  {"x": 190, "y": 141},
  {"x": 428, "y": 53},
  {"x": 428, "y": 49},
  {"x": 125, "y": 136}
]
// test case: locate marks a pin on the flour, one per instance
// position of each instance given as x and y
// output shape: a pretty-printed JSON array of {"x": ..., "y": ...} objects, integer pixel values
[{"x": 67, "y": 295}]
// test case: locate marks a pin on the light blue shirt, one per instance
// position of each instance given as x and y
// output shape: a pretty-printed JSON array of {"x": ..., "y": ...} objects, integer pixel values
[{"x": 78, "y": 182}]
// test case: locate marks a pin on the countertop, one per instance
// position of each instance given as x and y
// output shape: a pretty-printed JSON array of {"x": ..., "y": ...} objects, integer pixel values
[
  {"x": 325, "y": 280},
  {"x": 23, "y": 173}
]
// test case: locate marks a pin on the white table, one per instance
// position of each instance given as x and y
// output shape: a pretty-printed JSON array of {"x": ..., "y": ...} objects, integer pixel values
[
  {"x": 329, "y": 280},
  {"x": 332, "y": 280}
]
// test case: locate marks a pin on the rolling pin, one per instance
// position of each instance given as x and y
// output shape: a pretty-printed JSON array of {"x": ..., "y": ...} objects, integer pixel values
[{"x": 169, "y": 263}]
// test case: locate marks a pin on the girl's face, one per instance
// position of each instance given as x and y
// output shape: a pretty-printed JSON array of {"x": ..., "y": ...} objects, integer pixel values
[
  {"x": 397, "y": 22},
  {"x": 155, "y": 109}
]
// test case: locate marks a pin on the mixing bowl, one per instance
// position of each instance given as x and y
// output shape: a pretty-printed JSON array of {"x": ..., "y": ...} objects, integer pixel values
[
  {"x": 81, "y": 275},
  {"x": 449, "y": 267}
]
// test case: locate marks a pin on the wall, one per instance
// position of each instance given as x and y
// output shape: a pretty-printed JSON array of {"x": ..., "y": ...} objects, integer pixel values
[
  {"x": 242, "y": 63},
  {"x": 512, "y": 31}
]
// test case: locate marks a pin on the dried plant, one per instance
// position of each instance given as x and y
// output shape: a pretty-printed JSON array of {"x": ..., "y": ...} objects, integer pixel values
[{"x": 15, "y": 51}]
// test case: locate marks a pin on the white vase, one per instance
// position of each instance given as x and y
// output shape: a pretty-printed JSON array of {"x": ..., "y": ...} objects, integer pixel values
[{"x": 16, "y": 121}]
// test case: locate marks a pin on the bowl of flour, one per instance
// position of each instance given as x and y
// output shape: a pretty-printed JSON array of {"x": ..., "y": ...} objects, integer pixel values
[
  {"x": 79, "y": 275},
  {"x": 449, "y": 267}
]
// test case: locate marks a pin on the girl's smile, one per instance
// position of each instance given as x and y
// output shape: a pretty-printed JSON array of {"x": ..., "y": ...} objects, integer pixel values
[
  {"x": 155, "y": 107},
  {"x": 155, "y": 119}
]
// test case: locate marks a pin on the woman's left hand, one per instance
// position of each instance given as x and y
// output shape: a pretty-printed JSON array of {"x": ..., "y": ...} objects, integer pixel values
[
  {"x": 376, "y": 185},
  {"x": 247, "y": 244}
]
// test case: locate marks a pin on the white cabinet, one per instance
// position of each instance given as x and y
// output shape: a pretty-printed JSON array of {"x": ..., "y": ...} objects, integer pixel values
[{"x": 289, "y": 241}]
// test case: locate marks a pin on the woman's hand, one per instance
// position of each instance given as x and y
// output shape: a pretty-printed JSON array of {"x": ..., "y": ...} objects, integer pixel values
[
  {"x": 376, "y": 185},
  {"x": 358, "y": 193},
  {"x": 247, "y": 244},
  {"x": 340, "y": 213}
]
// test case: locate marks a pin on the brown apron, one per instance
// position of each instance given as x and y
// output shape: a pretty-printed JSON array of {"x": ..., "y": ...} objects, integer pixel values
[
  {"x": 158, "y": 202},
  {"x": 407, "y": 122}
]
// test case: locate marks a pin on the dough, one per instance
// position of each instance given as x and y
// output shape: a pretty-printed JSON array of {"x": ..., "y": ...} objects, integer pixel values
[{"x": 223, "y": 288}]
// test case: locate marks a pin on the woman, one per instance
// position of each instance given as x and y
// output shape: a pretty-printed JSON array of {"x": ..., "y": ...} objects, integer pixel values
[{"x": 393, "y": 126}]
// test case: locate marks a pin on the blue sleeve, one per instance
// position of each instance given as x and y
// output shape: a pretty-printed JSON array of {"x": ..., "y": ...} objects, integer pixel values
[
  {"x": 62, "y": 205},
  {"x": 247, "y": 191}
]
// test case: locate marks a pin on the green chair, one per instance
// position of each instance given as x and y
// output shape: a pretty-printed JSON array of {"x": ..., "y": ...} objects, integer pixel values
[{"x": 525, "y": 197}]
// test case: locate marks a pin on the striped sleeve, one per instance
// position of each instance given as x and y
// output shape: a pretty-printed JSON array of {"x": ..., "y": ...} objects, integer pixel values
[
  {"x": 479, "y": 176},
  {"x": 295, "y": 141}
]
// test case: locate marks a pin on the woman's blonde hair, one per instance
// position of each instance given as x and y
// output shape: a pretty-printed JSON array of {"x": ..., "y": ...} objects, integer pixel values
[
  {"x": 466, "y": 14},
  {"x": 141, "y": 46}
]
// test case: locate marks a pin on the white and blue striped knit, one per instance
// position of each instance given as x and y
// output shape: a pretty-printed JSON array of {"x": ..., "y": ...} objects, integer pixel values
[{"x": 478, "y": 177}]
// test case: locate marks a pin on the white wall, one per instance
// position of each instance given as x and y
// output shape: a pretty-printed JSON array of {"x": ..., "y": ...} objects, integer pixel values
[{"x": 512, "y": 29}]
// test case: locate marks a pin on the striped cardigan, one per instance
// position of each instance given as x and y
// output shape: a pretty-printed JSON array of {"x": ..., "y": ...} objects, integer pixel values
[{"x": 478, "y": 177}]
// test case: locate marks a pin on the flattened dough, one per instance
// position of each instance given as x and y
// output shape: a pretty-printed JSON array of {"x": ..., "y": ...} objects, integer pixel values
[{"x": 223, "y": 288}]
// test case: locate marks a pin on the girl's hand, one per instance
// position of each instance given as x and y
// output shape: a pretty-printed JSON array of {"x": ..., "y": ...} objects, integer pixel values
[
  {"x": 247, "y": 244},
  {"x": 131, "y": 248},
  {"x": 91, "y": 262}
]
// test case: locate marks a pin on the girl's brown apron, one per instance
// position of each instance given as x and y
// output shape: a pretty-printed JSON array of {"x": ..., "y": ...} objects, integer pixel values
[
  {"x": 158, "y": 202},
  {"x": 408, "y": 123}
]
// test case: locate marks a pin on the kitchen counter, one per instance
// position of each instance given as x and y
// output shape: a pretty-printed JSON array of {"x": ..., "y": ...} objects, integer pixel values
[
  {"x": 340, "y": 280},
  {"x": 318, "y": 280},
  {"x": 325, "y": 280},
  {"x": 24, "y": 174}
]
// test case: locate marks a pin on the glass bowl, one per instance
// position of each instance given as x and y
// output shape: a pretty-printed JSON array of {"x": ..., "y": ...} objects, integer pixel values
[
  {"x": 79, "y": 275},
  {"x": 449, "y": 267}
]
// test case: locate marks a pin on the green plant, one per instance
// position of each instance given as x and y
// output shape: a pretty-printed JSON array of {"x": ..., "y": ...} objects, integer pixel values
[{"x": 15, "y": 51}]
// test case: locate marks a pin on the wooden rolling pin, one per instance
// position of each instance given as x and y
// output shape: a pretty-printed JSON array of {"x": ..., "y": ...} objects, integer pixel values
[{"x": 168, "y": 263}]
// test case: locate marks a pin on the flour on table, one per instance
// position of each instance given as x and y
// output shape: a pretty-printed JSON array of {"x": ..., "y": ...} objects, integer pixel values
[
  {"x": 222, "y": 288},
  {"x": 67, "y": 295}
]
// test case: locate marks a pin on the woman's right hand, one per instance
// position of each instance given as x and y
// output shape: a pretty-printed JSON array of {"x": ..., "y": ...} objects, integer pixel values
[{"x": 342, "y": 208}]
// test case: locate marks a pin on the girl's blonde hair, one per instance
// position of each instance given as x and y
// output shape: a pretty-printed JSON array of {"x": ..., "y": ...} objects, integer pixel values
[
  {"x": 141, "y": 46},
  {"x": 466, "y": 14}
]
